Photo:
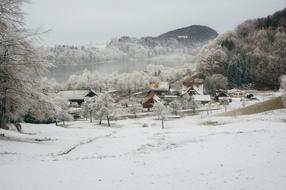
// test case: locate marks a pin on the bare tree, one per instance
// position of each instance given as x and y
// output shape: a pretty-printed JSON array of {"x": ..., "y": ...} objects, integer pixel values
[
  {"x": 224, "y": 102},
  {"x": 175, "y": 106},
  {"x": 135, "y": 108},
  {"x": 104, "y": 107},
  {"x": 161, "y": 111},
  {"x": 19, "y": 62}
]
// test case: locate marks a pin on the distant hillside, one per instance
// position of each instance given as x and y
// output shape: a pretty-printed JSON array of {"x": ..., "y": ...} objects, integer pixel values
[
  {"x": 188, "y": 37},
  {"x": 276, "y": 20},
  {"x": 196, "y": 33},
  {"x": 254, "y": 54},
  {"x": 176, "y": 48}
]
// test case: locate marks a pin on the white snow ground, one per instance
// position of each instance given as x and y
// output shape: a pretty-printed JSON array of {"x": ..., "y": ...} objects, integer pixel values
[{"x": 200, "y": 153}]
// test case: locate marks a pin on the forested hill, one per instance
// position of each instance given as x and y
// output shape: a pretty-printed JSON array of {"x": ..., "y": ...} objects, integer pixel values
[
  {"x": 173, "y": 44},
  {"x": 253, "y": 54},
  {"x": 194, "y": 33},
  {"x": 127, "y": 54},
  {"x": 182, "y": 39}
]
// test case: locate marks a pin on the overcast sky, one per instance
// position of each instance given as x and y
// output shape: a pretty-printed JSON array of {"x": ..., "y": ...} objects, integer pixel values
[{"x": 84, "y": 21}]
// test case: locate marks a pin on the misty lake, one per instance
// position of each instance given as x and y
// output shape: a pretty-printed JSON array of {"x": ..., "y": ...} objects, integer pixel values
[{"x": 62, "y": 72}]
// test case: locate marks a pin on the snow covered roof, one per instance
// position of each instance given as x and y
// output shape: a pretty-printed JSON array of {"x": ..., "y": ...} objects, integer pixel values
[
  {"x": 150, "y": 96},
  {"x": 203, "y": 98},
  {"x": 170, "y": 96},
  {"x": 75, "y": 94},
  {"x": 74, "y": 110},
  {"x": 234, "y": 90},
  {"x": 190, "y": 91},
  {"x": 159, "y": 86}
]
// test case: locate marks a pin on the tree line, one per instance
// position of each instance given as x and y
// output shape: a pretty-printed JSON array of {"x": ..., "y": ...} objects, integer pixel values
[{"x": 253, "y": 55}]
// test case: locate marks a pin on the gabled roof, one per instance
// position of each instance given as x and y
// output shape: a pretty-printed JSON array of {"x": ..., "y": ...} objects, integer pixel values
[
  {"x": 221, "y": 93},
  {"x": 150, "y": 96},
  {"x": 91, "y": 93},
  {"x": 76, "y": 94},
  {"x": 191, "y": 91}
]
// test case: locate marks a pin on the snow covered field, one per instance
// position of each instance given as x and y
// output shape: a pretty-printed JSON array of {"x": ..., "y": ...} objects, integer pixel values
[{"x": 194, "y": 152}]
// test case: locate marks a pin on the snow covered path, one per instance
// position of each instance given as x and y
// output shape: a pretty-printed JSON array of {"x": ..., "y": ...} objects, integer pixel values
[{"x": 247, "y": 152}]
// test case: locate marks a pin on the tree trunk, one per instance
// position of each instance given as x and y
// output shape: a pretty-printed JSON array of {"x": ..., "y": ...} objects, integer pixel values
[
  {"x": 18, "y": 127},
  {"x": 3, "y": 111},
  {"x": 108, "y": 121},
  {"x": 162, "y": 123},
  {"x": 90, "y": 116}
]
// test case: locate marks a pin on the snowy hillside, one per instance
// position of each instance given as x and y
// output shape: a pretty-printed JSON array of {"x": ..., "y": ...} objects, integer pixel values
[
  {"x": 185, "y": 110},
  {"x": 246, "y": 152}
]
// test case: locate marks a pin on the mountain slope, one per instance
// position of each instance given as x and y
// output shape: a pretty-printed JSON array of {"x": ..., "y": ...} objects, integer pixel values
[
  {"x": 129, "y": 54},
  {"x": 193, "y": 33},
  {"x": 254, "y": 54}
]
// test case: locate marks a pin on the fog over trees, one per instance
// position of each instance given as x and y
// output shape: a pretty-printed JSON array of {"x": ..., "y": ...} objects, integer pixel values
[
  {"x": 127, "y": 54},
  {"x": 127, "y": 82}
]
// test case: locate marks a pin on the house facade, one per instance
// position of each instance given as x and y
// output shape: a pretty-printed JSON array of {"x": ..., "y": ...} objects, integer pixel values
[
  {"x": 160, "y": 88},
  {"x": 150, "y": 100},
  {"x": 76, "y": 98},
  {"x": 193, "y": 86}
]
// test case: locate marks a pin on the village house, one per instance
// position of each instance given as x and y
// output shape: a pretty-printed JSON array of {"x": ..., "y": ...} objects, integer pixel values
[
  {"x": 236, "y": 93},
  {"x": 76, "y": 98},
  {"x": 157, "y": 91},
  {"x": 150, "y": 100},
  {"x": 193, "y": 86},
  {"x": 221, "y": 95},
  {"x": 160, "y": 88}
]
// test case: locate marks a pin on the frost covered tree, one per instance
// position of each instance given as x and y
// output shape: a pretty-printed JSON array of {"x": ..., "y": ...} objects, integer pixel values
[
  {"x": 185, "y": 101},
  {"x": 135, "y": 108},
  {"x": 254, "y": 54},
  {"x": 161, "y": 111},
  {"x": 104, "y": 107},
  {"x": 175, "y": 106},
  {"x": 89, "y": 108},
  {"x": 19, "y": 62},
  {"x": 46, "y": 109},
  {"x": 61, "y": 108},
  {"x": 193, "y": 104},
  {"x": 283, "y": 88},
  {"x": 215, "y": 82},
  {"x": 224, "y": 102},
  {"x": 49, "y": 85}
]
